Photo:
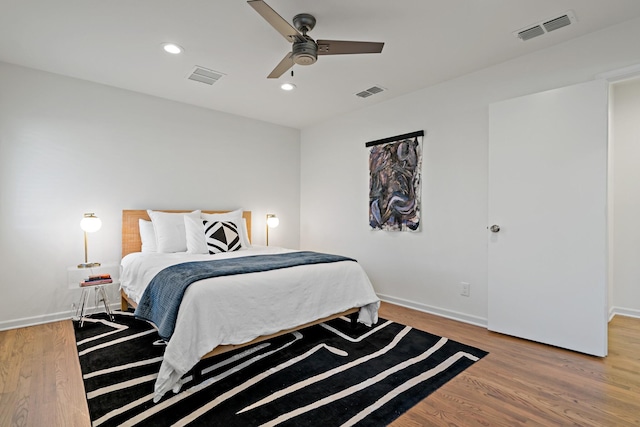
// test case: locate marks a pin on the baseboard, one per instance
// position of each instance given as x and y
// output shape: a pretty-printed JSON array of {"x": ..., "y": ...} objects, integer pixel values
[
  {"x": 48, "y": 318},
  {"x": 449, "y": 314},
  {"x": 621, "y": 311}
]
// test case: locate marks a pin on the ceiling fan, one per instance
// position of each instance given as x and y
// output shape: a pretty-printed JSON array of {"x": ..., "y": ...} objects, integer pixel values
[{"x": 305, "y": 50}]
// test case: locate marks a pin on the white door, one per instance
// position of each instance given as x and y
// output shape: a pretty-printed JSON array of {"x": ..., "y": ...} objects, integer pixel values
[{"x": 547, "y": 193}]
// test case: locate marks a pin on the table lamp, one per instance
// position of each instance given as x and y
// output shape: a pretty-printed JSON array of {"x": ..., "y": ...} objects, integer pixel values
[
  {"x": 89, "y": 223},
  {"x": 272, "y": 222}
]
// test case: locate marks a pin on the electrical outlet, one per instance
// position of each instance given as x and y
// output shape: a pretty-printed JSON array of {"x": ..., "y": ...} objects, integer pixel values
[{"x": 465, "y": 289}]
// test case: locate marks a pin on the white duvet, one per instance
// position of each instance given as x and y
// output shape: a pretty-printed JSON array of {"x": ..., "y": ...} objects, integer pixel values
[{"x": 237, "y": 309}]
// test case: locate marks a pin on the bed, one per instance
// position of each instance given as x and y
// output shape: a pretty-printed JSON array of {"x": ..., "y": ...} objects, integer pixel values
[{"x": 220, "y": 314}]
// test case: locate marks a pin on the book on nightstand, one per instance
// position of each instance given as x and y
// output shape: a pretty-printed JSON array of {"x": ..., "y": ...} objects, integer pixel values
[{"x": 98, "y": 279}]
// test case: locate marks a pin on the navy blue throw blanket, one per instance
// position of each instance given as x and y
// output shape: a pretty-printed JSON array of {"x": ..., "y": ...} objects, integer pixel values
[{"x": 161, "y": 299}]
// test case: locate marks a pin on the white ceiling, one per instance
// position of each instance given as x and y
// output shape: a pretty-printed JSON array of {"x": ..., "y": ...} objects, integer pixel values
[{"x": 118, "y": 43}]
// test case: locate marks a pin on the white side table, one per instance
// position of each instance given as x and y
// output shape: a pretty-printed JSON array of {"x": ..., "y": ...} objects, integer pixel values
[{"x": 77, "y": 275}]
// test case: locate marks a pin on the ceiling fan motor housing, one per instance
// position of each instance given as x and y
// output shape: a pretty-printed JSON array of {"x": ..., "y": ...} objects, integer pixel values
[{"x": 305, "y": 52}]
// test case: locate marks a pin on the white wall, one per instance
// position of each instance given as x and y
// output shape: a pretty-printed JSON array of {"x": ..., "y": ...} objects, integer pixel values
[
  {"x": 424, "y": 270},
  {"x": 626, "y": 197},
  {"x": 68, "y": 146}
]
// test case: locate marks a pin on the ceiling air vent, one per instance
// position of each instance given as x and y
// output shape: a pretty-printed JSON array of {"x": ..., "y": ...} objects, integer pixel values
[
  {"x": 371, "y": 91},
  {"x": 530, "y": 33},
  {"x": 204, "y": 75},
  {"x": 546, "y": 26},
  {"x": 559, "y": 22}
]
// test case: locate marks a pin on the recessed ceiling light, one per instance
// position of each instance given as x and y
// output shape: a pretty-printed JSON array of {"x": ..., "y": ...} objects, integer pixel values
[
  {"x": 287, "y": 86},
  {"x": 172, "y": 48}
]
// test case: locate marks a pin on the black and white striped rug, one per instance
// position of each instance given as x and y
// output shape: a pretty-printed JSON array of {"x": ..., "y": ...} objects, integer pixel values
[{"x": 326, "y": 375}]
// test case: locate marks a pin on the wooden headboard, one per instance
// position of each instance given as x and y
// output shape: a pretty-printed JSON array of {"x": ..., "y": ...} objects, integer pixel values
[{"x": 131, "y": 233}]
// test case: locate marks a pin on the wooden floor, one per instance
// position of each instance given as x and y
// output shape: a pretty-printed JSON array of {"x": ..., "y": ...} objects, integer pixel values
[{"x": 518, "y": 383}]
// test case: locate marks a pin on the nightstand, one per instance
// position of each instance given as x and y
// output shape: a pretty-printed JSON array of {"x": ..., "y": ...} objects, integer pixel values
[{"x": 75, "y": 277}]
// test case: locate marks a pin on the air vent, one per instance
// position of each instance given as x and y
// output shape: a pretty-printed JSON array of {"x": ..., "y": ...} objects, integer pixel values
[
  {"x": 371, "y": 91},
  {"x": 530, "y": 33},
  {"x": 559, "y": 22},
  {"x": 204, "y": 75},
  {"x": 546, "y": 26}
]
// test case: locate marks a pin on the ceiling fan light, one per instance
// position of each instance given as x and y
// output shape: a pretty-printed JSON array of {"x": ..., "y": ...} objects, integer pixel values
[
  {"x": 172, "y": 48},
  {"x": 305, "y": 52},
  {"x": 287, "y": 86}
]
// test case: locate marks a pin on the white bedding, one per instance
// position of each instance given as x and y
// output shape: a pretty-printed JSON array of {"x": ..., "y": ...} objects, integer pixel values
[{"x": 237, "y": 309}]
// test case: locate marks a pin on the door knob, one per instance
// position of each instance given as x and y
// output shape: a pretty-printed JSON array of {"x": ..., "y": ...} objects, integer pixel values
[{"x": 494, "y": 228}]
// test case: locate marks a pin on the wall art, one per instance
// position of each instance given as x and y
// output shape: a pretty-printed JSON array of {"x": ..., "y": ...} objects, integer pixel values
[{"x": 395, "y": 166}]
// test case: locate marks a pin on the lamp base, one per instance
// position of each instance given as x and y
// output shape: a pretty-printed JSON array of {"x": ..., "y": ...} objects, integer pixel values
[{"x": 89, "y": 265}]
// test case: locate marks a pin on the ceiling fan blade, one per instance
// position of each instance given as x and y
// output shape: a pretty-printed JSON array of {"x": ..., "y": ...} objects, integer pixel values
[
  {"x": 282, "y": 67},
  {"x": 276, "y": 21},
  {"x": 342, "y": 47}
]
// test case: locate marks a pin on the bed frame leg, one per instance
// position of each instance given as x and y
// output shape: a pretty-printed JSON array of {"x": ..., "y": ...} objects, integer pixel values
[
  {"x": 124, "y": 304},
  {"x": 354, "y": 319},
  {"x": 196, "y": 373}
]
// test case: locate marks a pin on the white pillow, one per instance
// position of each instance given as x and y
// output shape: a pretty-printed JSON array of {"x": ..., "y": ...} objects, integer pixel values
[
  {"x": 170, "y": 230},
  {"x": 235, "y": 217},
  {"x": 244, "y": 235},
  {"x": 147, "y": 236},
  {"x": 196, "y": 240}
]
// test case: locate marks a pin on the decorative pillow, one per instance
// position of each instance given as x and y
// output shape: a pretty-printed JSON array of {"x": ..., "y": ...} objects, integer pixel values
[
  {"x": 221, "y": 236},
  {"x": 147, "y": 236},
  {"x": 196, "y": 243},
  {"x": 233, "y": 216},
  {"x": 170, "y": 230}
]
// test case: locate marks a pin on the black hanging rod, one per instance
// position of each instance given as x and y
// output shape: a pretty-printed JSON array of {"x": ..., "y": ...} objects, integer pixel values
[{"x": 395, "y": 138}]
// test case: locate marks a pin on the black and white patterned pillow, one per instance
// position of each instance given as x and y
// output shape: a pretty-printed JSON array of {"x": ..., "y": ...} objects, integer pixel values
[{"x": 221, "y": 236}]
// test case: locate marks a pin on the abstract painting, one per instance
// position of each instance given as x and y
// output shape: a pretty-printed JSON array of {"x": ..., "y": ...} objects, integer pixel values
[{"x": 394, "y": 182}]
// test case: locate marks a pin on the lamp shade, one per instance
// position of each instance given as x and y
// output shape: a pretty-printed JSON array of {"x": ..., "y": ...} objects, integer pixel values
[
  {"x": 272, "y": 221},
  {"x": 90, "y": 223}
]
